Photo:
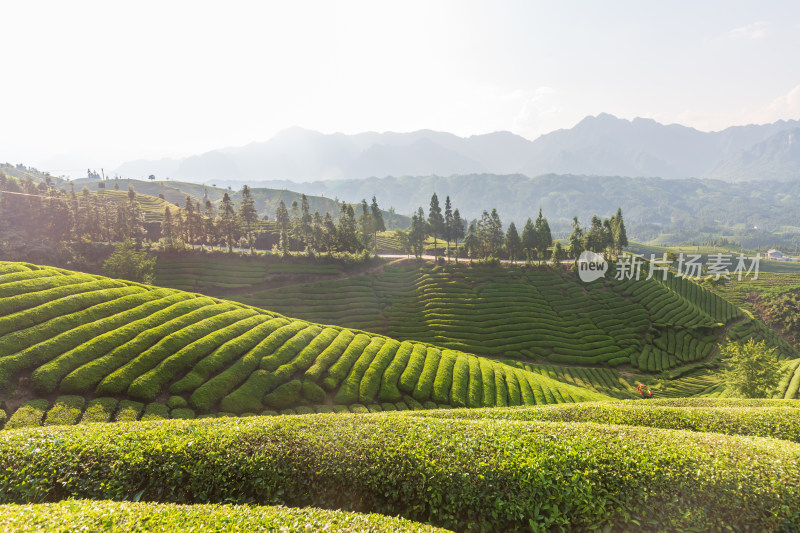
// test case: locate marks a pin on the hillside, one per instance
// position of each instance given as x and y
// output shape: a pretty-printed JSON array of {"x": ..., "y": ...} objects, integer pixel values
[
  {"x": 603, "y": 336},
  {"x": 597, "y": 145},
  {"x": 80, "y": 347}
]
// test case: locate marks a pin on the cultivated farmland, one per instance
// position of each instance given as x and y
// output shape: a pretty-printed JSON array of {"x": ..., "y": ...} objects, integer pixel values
[{"x": 95, "y": 349}]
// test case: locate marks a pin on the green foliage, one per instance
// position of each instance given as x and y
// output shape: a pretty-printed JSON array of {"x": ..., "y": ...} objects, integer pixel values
[
  {"x": 313, "y": 393},
  {"x": 89, "y": 515},
  {"x": 99, "y": 410},
  {"x": 29, "y": 414},
  {"x": 129, "y": 263},
  {"x": 128, "y": 411},
  {"x": 65, "y": 411},
  {"x": 155, "y": 411},
  {"x": 183, "y": 413},
  {"x": 286, "y": 395},
  {"x": 478, "y": 474},
  {"x": 752, "y": 370}
]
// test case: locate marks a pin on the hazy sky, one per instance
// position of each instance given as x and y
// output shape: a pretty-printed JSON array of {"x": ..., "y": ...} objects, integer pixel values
[{"x": 96, "y": 83}]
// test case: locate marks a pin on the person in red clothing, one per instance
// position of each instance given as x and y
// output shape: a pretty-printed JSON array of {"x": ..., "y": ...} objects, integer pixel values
[{"x": 644, "y": 390}]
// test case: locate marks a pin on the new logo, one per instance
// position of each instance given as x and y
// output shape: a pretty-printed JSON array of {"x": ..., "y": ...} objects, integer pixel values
[{"x": 591, "y": 266}]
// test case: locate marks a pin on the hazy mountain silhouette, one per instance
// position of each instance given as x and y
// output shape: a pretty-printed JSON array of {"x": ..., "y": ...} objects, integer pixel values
[{"x": 600, "y": 145}]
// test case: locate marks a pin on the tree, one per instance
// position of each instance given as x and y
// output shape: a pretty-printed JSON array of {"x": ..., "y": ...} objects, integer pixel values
[
  {"x": 530, "y": 239},
  {"x": 435, "y": 221},
  {"x": 404, "y": 240},
  {"x": 559, "y": 254},
  {"x": 151, "y": 177},
  {"x": 248, "y": 215},
  {"x": 448, "y": 223},
  {"x": 513, "y": 242},
  {"x": 366, "y": 223},
  {"x": 228, "y": 222},
  {"x": 595, "y": 240},
  {"x": 472, "y": 241},
  {"x": 618, "y": 233},
  {"x": 752, "y": 370},
  {"x": 306, "y": 221},
  {"x": 419, "y": 232},
  {"x": 283, "y": 220},
  {"x": 576, "y": 239},
  {"x": 167, "y": 230},
  {"x": 329, "y": 237},
  {"x": 377, "y": 222},
  {"x": 545, "y": 238},
  {"x": 126, "y": 262},
  {"x": 347, "y": 230},
  {"x": 457, "y": 229}
]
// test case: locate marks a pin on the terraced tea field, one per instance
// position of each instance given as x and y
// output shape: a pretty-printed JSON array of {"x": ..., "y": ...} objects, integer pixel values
[
  {"x": 89, "y": 348},
  {"x": 152, "y": 206},
  {"x": 530, "y": 314},
  {"x": 203, "y": 274}
]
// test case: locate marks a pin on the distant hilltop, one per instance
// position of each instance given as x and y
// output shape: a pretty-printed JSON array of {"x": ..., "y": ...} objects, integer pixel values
[{"x": 598, "y": 145}]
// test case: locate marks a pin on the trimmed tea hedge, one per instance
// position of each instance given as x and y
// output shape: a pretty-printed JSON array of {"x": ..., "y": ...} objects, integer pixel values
[{"x": 497, "y": 475}]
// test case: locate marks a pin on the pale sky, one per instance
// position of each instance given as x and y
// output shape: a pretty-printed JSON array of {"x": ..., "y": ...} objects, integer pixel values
[{"x": 93, "y": 84}]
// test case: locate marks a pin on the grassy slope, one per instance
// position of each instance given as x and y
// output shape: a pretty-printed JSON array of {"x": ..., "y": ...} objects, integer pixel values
[{"x": 93, "y": 348}]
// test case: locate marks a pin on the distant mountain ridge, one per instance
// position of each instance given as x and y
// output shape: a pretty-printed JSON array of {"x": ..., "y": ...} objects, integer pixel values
[{"x": 598, "y": 145}]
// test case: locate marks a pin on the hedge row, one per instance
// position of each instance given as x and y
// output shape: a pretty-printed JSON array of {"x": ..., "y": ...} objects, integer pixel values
[
  {"x": 497, "y": 475},
  {"x": 90, "y": 515}
]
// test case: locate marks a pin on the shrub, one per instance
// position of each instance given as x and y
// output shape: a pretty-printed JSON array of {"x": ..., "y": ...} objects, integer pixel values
[
  {"x": 425, "y": 384},
  {"x": 313, "y": 393},
  {"x": 349, "y": 391},
  {"x": 444, "y": 377},
  {"x": 330, "y": 355},
  {"x": 478, "y": 474},
  {"x": 459, "y": 390},
  {"x": 340, "y": 369},
  {"x": 416, "y": 363},
  {"x": 92, "y": 373},
  {"x": 128, "y": 411},
  {"x": 29, "y": 414},
  {"x": 175, "y": 402},
  {"x": 149, "y": 384},
  {"x": 89, "y": 515},
  {"x": 155, "y": 411},
  {"x": 211, "y": 392},
  {"x": 388, "y": 390},
  {"x": 99, "y": 410},
  {"x": 285, "y": 395},
  {"x": 65, "y": 411},
  {"x": 371, "y": 381},
  {"x": 183, "y": 413}
]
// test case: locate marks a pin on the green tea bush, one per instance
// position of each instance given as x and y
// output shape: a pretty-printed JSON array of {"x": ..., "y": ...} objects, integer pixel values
[
  {"x": 340, "y": 369},
  {"x": 99, "y": 410},
  {"x": 424, "y": 386},
  {"x": 149, "y": 384},
  {"x": 285, "y": 395},
  {"x": 416, "y": 363},
  {"x": 371, "y": 382},
  {"x": 89, "y": 515},
  {"x": 497, "y": 475},
  {"x": 313, "y": 393},
  {"x": 29, "y": 414},
  {"x": 444, "y": 377},
  {"x": 215, "y": 389},
  {"x": 91, "y": 374},
  {"x": 349, "y": 391},
  {"x": 330, "y": 355},
  {"x": 155, "y": 411},
  {"x": 183, "y": 413},
  {"x": 128, "y": 411},
  {"x": 65, "y": 411},
  {"x": 388, "y": 390}
]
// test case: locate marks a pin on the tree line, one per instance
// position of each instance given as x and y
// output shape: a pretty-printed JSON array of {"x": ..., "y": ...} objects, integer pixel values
[{"x": 484, "y": 238}]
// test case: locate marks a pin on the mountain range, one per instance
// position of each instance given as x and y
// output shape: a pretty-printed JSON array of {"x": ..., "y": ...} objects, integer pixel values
[{"x": 598, "y": 145}]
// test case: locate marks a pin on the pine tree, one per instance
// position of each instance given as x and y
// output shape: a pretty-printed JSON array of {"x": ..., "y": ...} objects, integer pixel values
[
  {"x": 472, "y": 241},
  {"x": 435, "y": 221},
  {"x": 329, "y": 236},
  {"x": 377, "y": 222},
  {"x": 530, "y": 239},
  {"x": 248, "y": 215},
  {"x": 448, "y": 223},
  {"x": 545, "y": 239},
  {"x": 347, "y": 230},
  {"x": 619, "y": 234},
  {"x": 229, "y": 222},
  {"x": 306, "y": 221},
  {"x": 457, "y": 229},
  {"x": 577, "y": 239},
  {"x": 513, "y": 242},
  {"x": 283, "y": 220},
  {"x": 366, "y": 224},
  {"x": 419, "y": 231}
]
